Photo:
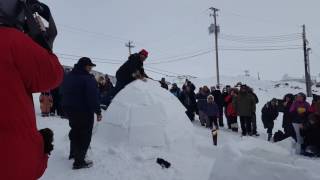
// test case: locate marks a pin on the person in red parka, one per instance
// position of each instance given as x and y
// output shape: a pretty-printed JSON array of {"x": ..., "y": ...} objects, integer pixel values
[
  {"x": 231, "y": 111},
  {"x": 25, "y": 68}
]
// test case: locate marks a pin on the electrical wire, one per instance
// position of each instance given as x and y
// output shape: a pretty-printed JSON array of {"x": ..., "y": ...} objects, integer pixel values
[
  {"x": 151, "y": 69},
  {"x": 161, "y": 70},
  {"x": 261, "y": 39},
  {"x": 79, "y": 56},
  {"x": 76, "y": 29},
  {"x": 76, "y": 59},
  {"x": 256, "y": 49},
  {"x": 182, "y": 58},
  {"x": 283, "y": 36},
  {"x": 264, "y": 49},
  {"x": 257, "y": 20}
]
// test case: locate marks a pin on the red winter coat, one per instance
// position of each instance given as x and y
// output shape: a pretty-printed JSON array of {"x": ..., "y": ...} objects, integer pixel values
[
  {"x": 231, "y": 111},
  {"x": 25, "y": 68}
]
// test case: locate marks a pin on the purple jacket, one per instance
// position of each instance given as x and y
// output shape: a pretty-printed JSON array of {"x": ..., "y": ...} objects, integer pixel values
[
  {"x": 212, "y": 109},
  {"x": 294, "y": 110}
]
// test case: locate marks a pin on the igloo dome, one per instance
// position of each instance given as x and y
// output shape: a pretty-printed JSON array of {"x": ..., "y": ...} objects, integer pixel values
[{"x": 145, "y": 115}]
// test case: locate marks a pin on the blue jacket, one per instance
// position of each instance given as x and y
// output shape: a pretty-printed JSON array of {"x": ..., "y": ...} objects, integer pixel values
[
  {"x": 212, "y": 109},
  {"x": 80, "y": 91}
]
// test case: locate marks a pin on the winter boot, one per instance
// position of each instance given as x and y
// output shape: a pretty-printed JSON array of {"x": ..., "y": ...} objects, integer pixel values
[{"x": 82, "y": 165}]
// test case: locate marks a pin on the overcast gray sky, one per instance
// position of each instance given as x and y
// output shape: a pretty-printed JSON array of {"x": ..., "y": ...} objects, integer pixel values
[{"x": 173, "y": 29}]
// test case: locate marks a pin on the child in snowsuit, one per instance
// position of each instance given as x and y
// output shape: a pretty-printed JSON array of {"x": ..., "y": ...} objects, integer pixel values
[
  {"x": 269, "y": 114},
  {"x": 46, "y": 103},
  {"x": 212, "y": 111}
]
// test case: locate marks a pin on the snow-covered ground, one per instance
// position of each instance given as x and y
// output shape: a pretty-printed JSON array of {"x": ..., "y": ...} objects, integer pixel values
[{"x": 146, "y": 122}]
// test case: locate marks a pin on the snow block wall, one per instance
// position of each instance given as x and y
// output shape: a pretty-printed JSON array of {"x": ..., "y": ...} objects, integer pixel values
[{"x": 145, "y": 115}]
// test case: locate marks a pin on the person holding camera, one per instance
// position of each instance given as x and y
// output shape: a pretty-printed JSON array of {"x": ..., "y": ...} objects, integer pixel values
[{"x": 27, "y": 65}]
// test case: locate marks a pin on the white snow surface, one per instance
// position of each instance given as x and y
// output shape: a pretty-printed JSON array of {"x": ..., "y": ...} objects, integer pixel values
[{"x": 145, "y": 122}]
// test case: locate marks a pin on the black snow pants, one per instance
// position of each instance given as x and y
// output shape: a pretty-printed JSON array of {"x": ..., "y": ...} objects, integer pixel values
[
  {"x": 81, "y": 124},
  {"x": 246, "y": 125},
  {"x": 212, "y": 122}
]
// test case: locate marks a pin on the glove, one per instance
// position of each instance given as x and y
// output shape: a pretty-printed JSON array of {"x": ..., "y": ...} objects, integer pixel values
[{"x": 47, "y": 135}]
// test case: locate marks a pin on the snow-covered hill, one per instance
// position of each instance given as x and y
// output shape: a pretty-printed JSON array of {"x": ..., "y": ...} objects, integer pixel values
[{"x": 188, "y": 147}]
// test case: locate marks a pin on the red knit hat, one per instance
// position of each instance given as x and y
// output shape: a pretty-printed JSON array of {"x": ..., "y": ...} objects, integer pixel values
[{"x": 144, "y": 52}]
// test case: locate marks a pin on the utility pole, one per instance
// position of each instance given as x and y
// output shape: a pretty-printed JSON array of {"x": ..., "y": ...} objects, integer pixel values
[
  {"x": 306, "y": 51},
  {"x": 130, "y": 45},
  {"x": 216, "y": 32}
]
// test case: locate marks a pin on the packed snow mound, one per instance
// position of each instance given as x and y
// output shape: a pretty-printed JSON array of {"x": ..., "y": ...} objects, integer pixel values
[
  {"x": 254, "y": 159},
  {"x": 145, "y": 115}
]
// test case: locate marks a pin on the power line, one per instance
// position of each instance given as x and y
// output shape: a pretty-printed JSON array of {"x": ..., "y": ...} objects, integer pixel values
[
  {"x": 76, "y": 59},
  {"x": 161, "y": 70},
  {"x": 260, "y": 39},
  {"x": 76, "y": 29},
  {"x": 159, "y": 73},
  {"x": 79, "y": 56},
  {"x": 226, "y": 49},
  {"x": 274, "y": 37},
  {"x": 183, "y": 58},
  {"x": 261, "y": 49},
  {"x": 181, "y": 55},
  {"x": 258, "y": 20}
]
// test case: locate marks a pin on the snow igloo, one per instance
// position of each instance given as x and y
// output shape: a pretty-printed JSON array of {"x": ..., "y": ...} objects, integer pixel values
[{"x": 145, "y": 115}]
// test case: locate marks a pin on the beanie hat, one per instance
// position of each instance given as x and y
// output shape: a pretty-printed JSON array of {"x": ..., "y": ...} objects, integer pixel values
[{"x": 144, "y": 52}]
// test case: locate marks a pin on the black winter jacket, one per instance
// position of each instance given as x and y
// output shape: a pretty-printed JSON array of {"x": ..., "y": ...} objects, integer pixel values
[
  {"x": 269, "y": 114},
  {"x": 80, "y": 91},
  {"x": 218, "y": 98},
  {"x": 125, "y": 73}
]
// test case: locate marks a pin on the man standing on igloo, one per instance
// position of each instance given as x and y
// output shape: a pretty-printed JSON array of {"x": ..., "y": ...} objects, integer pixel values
[{"x": 131, "y": 70}]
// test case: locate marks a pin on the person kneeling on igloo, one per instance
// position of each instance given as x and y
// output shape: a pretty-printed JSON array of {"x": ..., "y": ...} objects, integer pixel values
[{"x": 131, "y": 70}]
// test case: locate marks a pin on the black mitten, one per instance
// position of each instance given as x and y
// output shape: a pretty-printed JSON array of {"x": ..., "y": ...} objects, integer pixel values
[{"x": 47, "y": 135}]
